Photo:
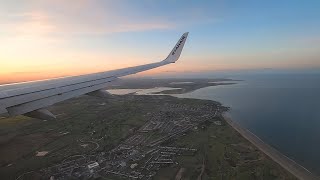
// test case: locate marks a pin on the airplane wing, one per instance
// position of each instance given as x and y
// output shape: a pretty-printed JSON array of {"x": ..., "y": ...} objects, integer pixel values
[{"x": 31, "y": 98}]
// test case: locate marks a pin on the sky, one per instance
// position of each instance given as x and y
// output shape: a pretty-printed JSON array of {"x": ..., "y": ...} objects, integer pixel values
[{"x": 41, "y": 39}]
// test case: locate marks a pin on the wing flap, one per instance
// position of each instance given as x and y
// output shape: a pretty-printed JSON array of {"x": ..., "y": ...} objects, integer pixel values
[{"x": 45, "y": 102}]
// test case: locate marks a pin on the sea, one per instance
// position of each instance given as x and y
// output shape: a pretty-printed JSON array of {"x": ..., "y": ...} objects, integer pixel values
[{"x": 281, "y": 109}]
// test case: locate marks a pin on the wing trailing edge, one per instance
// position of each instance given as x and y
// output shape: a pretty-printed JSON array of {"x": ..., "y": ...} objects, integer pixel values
[{"x": 32, "y": 98}]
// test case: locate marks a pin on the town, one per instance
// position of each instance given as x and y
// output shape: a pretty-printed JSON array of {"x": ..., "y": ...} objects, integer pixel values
[
  {"x": 133, "y": 137},
  {"x": 144, "y": 153}
]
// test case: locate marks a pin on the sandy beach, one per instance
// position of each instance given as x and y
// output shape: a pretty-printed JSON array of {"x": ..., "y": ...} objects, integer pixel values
[{"x": 297, "y": 170}]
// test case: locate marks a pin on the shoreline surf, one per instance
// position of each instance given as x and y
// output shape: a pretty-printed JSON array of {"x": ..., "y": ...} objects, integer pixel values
[{"x": 294, "y": 168}]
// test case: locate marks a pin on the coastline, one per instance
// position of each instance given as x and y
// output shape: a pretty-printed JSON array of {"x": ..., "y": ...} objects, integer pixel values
[
  {"x": 291, "y": 166},
  {"x": 294, "y": 168}
]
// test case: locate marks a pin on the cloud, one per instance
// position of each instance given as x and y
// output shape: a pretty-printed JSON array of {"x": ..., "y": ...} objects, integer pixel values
[
  {"x": 60, "y": 17},
  {"x": 31, "y": 24},
  {"x": 25, "y": 72},
  {"x": 56, "y": 18}
]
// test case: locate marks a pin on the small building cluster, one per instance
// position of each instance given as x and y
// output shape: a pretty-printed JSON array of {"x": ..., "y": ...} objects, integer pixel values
[{"x": 144, "y": 152}]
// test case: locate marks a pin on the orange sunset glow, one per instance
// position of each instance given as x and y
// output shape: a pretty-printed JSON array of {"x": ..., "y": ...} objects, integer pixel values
[{"x": 47, "y": 39}]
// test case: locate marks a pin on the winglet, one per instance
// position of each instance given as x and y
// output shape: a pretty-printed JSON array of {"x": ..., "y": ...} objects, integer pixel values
[{"x": 176, "y": 51}]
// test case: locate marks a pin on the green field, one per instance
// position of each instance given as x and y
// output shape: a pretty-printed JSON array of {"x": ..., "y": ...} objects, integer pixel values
[
  {"x": 224, "y": 154},
  {"x": 87, "y": 121}
]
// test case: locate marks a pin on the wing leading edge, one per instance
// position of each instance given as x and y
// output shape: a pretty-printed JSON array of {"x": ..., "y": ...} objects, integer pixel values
[{"x": 31, "y": 98}]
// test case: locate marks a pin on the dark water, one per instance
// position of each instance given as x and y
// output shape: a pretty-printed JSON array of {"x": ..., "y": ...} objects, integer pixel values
[{"x": 283, "y": 110}]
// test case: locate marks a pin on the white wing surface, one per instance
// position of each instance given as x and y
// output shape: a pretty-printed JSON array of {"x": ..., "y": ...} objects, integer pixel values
[{"x": 31, "y": 98}]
